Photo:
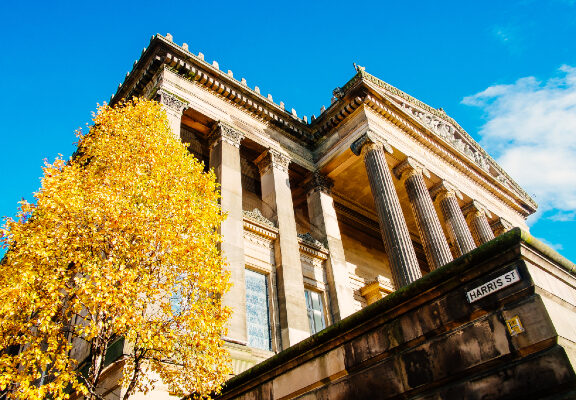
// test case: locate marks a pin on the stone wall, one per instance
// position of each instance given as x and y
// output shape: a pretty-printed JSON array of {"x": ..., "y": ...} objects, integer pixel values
[{"x": 516, "y": 339}]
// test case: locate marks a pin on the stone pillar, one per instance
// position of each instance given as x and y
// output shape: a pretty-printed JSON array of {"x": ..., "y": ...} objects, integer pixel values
[
  {"x": 476, "y": 215},
  {"x": 174, "y": 108},
  {"x": 324, "y": 227},
  {"x": 395, "y": 235},
  {"x": 278, "y": 207},
  {"x": 225, "y": 160},
  {"x": 433, "y": 239},
  {"x": 445, "y": 194},
  {"x": 500, "y": 226}
]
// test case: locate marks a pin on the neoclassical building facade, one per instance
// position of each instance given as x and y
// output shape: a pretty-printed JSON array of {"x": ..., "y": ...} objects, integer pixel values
[{"x": 330, "y": 213}]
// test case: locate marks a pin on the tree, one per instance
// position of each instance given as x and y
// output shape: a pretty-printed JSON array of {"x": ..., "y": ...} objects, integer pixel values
[{"x": 121, "y": 242}]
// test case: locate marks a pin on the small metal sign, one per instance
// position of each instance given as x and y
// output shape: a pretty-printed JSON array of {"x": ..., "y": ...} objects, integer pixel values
[
  {"x": 493, "y": 286},
  {"x": 514, "y": 325}
]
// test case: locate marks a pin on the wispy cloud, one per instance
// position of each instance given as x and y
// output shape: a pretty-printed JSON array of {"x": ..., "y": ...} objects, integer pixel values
[{"x": 531, "y": 129}]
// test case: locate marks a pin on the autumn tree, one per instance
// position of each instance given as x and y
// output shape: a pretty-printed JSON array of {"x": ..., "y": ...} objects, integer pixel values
[{"x": 120, "y": 244}]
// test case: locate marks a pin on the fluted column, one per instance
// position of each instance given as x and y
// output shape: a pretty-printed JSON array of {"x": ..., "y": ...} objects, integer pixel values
[
  {"x": 460, "y": 234},
  {"x": 395, "y": 235},
  {"x": 278, "y": 207},
  {"x": 225, "y": 160},
  {"x": 500, "y": 226},
  {"x": 476, "y": 215},
  {"x": 174, "y": 108},
  {"x": 324, "y": 227},
  {"x": 433, "y": 239}
]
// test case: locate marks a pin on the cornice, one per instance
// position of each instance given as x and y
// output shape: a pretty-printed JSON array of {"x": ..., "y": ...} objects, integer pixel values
[{"x": 163, "y": 53}]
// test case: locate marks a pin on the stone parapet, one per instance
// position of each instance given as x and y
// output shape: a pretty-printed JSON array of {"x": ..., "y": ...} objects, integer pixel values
[{"x": 493, "y": 324}]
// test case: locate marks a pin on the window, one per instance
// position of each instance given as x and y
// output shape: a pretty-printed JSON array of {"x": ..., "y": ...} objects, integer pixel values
[
  {"x": 257, "y": 311},
  {"x": 315, "y": 311}
]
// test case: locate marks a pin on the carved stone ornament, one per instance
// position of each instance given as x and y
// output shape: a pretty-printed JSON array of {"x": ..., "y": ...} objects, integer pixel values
[
  {"x": 449, "y": 133},
  {"x": 475, "y": 207},
  {"x": 370, "y": 137},
  {"x": 172, "y": 102},
  {"x": 442, "y": 189},
  {"x": 319, "y": 182},
  {"x": 272, "y": 159},
  {"x": 226, "y": 133},
  {"x": 257, "y": 216},
  {"x": 500, "y": 226},
  {"x": 309, "y": 239},
  {"x": 408, "y": 167}
]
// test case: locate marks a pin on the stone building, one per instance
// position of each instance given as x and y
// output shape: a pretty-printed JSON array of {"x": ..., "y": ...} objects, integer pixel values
[{"x": 326, "y": 214}]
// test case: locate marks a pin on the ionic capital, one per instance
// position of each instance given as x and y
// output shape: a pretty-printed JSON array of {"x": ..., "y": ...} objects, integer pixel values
[
  {"x": 370, "y": 141},
  {"x": 226, "y": 133},
  {"x": 410, "y": 167},
  {"x": 444, "y": 189},
  {"x": 272, "y": 159},
  {"x": 475, "y": 208},
  {"x": 171, "y": 102},
  {"x": 318, "y": 183},
  {"x": 500, "y": 226}
]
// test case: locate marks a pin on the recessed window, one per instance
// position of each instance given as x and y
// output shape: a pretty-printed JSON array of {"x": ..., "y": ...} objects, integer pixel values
[
  {"x": 257, "y": 310},
  {"x": 315, "y": 308}
]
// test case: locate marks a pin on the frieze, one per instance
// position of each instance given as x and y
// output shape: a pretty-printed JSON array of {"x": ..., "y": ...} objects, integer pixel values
[{"x": 447, "y": 132}]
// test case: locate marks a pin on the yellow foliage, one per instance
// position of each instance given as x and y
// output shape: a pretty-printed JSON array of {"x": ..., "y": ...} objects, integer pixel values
[{"x": 121, "y": 242}]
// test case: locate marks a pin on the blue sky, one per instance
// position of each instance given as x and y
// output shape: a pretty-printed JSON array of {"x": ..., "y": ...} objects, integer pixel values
[{"x": 506, "y": 71}]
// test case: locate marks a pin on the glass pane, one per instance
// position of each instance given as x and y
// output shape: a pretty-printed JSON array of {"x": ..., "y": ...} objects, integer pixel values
[
  {"x": 315, "y": 311},
  {"x": 257, "y": 312}
]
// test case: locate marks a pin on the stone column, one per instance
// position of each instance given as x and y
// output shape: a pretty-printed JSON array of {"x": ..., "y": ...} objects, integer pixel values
[
  {"x": 395, "y": 235},
  {"x": 445, "y": 194},
  {"x": 278, "y": 207},
  {"x": 174, "y": 108},
  {"x": 433, "y": 239},
  {"x": 476, "y": 215},
  {"x": 225, "y": 159},
  {"x": 324, "y": 227},
  {"x": 500, "y": 226}
]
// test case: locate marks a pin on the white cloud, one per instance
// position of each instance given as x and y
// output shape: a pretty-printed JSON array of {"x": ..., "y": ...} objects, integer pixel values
[{"x": 531, "y": 129}]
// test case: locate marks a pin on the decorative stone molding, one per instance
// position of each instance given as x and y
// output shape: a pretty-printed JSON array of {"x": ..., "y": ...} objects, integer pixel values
[
  {"x": 370, "y": 139},
  {"x": 500, "y": 226},
  {"x": 308, "y": 239},
  {"x": 475, "y": 207},
  {"x": 449, "y": 133},
  {"x": 318, "y": 182},
  {"x": 444, "y": 189},
  {"x": 172, "y": 102},
  {"x": 256, "y": 216},
  {"x": 314, "y": 248},
  {"x": 226, "y": 133},
  {"x": 408, "y": 167},
  {"x": 272, "y": 159}
]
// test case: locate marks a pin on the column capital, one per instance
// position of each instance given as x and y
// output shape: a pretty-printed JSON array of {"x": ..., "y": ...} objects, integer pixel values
[
  {"x": 272, "y": 159},
  {"x": 444, "y": 189},
  {"x": 500, "y": 226},
  {"x": 370, "y": 140},
  {"x": 224, "y": 132},
  {"x": 171, "y": 102},
  {"x": 475, "y": 208},
  {"x": 318, "y": 182},
  {"x": 409, "y": 167}
]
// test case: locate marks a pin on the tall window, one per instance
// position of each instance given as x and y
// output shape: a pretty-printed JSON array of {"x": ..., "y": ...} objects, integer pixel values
[
  {"x": 257, "y": 312},
  {"x": 315, "y": 311}
]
